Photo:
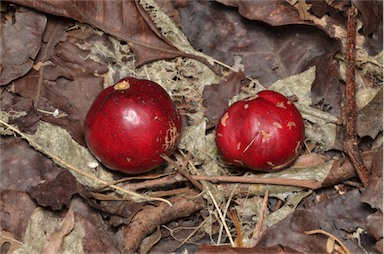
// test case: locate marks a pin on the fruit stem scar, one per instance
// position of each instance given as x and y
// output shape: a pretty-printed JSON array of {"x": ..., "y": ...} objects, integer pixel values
[{"x": 123, "y": 85}]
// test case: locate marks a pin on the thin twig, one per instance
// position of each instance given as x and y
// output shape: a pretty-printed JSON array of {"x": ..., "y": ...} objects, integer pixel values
[
  {"x": 310, "y": 184},
  {"x": 182, "y": 170},
  {"x": 350, "y": 142}
]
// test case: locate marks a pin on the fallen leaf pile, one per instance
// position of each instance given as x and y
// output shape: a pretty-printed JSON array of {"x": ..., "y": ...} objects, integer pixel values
[{"x": 56, "y": 56}]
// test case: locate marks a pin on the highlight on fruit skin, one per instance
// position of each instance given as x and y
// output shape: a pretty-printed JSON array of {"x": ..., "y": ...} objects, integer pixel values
[
  {"x": 263, "y": 133},
  {"x": 131, "y": 124}
]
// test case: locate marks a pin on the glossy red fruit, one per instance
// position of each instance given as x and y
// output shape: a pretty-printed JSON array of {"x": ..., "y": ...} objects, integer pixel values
[
  {"x": 131, "y": 124},
  {"x": 264, "y": 132}
]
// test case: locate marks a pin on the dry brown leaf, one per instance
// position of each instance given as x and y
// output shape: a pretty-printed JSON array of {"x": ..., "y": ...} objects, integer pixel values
[
  {"x": 8, "y": 243},
  {"x": 148, "y": 242}
]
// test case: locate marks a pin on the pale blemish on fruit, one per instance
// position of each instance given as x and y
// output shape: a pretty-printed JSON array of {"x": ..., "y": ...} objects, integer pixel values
[
  {"x": 281, "y": 105},
  {"x": 246, "y": 106},
  {"x": 219, "y": 134},
  {"x": 238, "y": 146},
  {"x": 277, "y": 125},
  {"x": 270, "y": 163},
  {"x": 123, "y": 85},
  {"x": 289, "y": 102},
  {"x": 129, "y": 159},
  {"x": 224, "y": 118},
  {"x": 239, "y": 162},
  {"x": 265, "y": 135},
  {"x": 171, "y": 136},
  {"x": 291, "y": 124}
]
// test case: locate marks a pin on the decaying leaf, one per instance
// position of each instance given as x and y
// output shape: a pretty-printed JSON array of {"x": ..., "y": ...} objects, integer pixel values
[
  {"x": 15, "y": 209},
  {"x": 8, "y": 243},
  {"x": 56, "y": 193},
  {"x": 55, "y": 240},
  {"x": 136, "y": 28},
  {"x": 216, "y": 96},
  {"x": 274, "y": 13},
  {"x": 55, "y": 141},
  {"x": 43, "y": 224},
  {"x": 148, "y": 242},
  {"x": 375, "y": 228},
  {"x": 338, "y": 216},
  {"x": 20, "y": 41},
  {"x": 267, "y": 53},
  {"x": 370, "y": 118},
  {"x": 63, "y": 88},
  {"x": 373, "y": 195}
]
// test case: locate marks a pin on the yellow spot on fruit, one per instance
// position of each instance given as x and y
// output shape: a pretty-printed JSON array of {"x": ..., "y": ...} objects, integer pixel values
[
  {"x": 224, "y": 118},
  {"x": 171, "y": 137},
  {"x": 246, "y": 106},
  {"x": 270, "y": 163},
  {"x": 277, "y": 125},
  {"x": 265, "y": 135},
  {"x": 238, "y": 146},
  {"x": 290, "y": 124},
  {"x": 123, "y": 85},
  {"x": 281, "y": 105}
]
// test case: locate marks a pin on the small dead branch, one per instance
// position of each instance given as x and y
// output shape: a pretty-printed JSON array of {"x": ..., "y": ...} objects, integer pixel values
[
  {"x": 182, "y": 169},
  {"x": 350, "y": 142},
  {"x": 343, "y": 170},
  {"x": 158, "y": 182},
  {"x": 310, "y": 184},
  {"x": 148, "y": 219}
]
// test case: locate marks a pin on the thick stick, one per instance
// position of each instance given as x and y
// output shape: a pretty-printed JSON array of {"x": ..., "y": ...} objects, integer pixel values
[{"x": 350, "y": 142}]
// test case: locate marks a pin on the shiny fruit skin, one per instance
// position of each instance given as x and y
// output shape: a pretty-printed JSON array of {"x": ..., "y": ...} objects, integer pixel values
[
  {"x": 131, "y": 124},
  {"x": 263, "y": 133}
]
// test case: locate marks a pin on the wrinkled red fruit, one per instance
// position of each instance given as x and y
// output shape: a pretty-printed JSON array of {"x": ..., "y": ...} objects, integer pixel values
[
  {"x": 131, "y": 124},
  {"x": 264, "y": 132}
]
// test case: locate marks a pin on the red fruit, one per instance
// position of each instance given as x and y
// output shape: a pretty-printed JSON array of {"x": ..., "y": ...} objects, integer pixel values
[
  {"x": 130, "y": 125},
  {"x": 264, "y": 132}
]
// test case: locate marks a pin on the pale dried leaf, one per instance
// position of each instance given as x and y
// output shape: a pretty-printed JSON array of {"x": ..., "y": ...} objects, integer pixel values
[
  {"x": 55, "y": 240},
  {"x": 7, "y": 237},
  {"x": 41, "y": 225},
  {"x": 148, "y": 242},
  {"x": 290, "y": 205}
]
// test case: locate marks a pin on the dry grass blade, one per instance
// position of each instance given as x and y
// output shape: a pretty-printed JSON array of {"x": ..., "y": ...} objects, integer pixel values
[{"x": 320, "y": 231}]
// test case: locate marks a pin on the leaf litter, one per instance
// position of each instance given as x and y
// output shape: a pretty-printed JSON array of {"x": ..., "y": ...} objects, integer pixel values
[{"x": 82, "y": 60}]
